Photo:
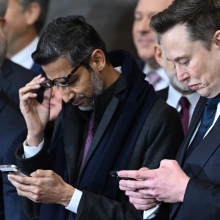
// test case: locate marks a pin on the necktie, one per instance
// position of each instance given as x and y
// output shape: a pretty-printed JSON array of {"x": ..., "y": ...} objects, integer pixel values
[
  {"x": 206, "y": 122},
  {"x": 184, "y": 113},
  {"x": 153, "y": 78},
  {"x": 88, "y": 138}
]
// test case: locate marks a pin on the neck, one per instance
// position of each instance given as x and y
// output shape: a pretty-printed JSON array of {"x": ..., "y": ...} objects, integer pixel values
[
  {"x": 17, "y": 45},
  {"x": 109, "y": 76}
]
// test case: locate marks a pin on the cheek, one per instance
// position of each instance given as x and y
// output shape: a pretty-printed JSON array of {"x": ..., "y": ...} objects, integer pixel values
[{"x": 134, "y": 31}]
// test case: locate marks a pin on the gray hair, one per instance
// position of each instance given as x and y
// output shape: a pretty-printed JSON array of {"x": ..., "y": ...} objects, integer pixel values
[{"x": 3, "y": 8}]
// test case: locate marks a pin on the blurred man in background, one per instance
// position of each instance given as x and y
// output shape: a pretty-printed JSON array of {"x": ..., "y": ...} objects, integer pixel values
[
  {"x": 145, "y": 40},
  {"x": 24, "y": 22}
]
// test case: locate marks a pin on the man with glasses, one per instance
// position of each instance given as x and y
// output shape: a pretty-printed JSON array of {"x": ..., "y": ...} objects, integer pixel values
[{"x": 111, "y": 119}]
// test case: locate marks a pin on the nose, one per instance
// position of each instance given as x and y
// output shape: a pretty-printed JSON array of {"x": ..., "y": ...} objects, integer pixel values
[
  {"x": 182, "y": 74},
  {"x": 66, "y": 94}
]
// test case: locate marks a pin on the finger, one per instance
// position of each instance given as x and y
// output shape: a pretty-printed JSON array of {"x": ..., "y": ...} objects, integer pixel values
[
  {"x": 140, "y": 195},
  {"x": 134, "y": 185},
  {"x": 17, "y": 179},
  {"x": 139, "y": 206},
  {"x": 144, "y": 173},
  {"x": 43, "y": 173},
  {"x": 144, "y": 168},
  {"x": 168, "y": 163}
]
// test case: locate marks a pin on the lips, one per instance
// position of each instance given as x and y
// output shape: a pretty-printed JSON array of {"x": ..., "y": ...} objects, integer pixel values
[
  {"x": 78, "y": 102},
  {"x": 145, "y": 41},
  {"x": 194, "y": 87}
]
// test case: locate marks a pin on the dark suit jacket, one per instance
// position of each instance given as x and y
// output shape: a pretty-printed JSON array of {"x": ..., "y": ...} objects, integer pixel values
[
  {"x": 202, "y": 197},
  {"x": 13, "y": 77},
  {"x": 163, "y": 93},
  {"x": 13, "y": 131},
  {"x": 160, "y": 137}
]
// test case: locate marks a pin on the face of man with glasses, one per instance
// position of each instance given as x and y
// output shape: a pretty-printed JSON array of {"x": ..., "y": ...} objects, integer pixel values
[{"x": 76, "y": 84}]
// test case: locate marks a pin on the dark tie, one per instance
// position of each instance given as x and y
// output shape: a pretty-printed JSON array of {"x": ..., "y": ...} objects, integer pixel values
[
  {"x": 88, "y": 138},
  {"x": 206, "y": 122},
  {"x": 184, "y": 113},
  {"x": 153, "y": 77}
]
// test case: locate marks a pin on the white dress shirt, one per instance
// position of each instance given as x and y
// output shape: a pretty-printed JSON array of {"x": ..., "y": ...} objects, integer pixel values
[
  {"x": 163, "y": 82},
  {"x": 174, "y": 97},
  {"x": 23, "y": 57}
]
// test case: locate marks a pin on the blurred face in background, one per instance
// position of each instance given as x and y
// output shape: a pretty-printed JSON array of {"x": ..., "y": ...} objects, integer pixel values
[
  {"x": 19, "y": 26},
  {"x": 55, "y": 103},
  {"x": 144, "y": 38}
]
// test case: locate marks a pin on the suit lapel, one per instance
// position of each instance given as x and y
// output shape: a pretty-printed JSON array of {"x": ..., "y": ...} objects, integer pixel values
[
  {"x": 193, "y": 125},
  {"x": 74, "y": 125},
  {"x": 207, "y": 147},
  {"x": 197, "y": 160},
  {"x": 102, "y": 128},
  {"x": 197, "y": 114}
]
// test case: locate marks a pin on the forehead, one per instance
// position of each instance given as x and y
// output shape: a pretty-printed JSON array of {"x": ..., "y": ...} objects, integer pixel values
[
  {"x": 176, "y": 41},
  {"x": 151, "y": 6},
  {"x": 59, "y": 68}
]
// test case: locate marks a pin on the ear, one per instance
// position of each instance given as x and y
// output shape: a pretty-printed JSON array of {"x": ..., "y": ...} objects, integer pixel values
[
  {"x": 32, "y": 13},
  {"x": 98, "y": 61},
  {"x": 2, "y": 22},
  {"x": 158, "y": 54}
]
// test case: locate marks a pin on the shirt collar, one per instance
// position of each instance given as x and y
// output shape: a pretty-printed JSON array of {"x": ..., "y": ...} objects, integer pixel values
[{"x": 23, "y": 57}]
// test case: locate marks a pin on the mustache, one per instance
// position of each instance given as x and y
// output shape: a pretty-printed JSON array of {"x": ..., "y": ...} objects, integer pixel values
[{"x": 78, "y": 98}]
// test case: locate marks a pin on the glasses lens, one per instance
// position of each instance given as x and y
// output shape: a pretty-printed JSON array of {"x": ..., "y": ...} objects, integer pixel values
[
  {"x": 47, "y": 84},
  {"x": 61, "y": 82}
]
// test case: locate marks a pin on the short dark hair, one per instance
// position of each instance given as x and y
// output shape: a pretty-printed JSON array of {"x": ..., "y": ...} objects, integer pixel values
[
  {"x": 69, "y": 37},
  {"x": 44, "y": 5},
  {"x": 201, "y": 18}
]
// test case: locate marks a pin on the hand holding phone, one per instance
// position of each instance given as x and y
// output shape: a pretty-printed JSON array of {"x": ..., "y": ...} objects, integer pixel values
[
  {"x": 10, "y": 168},
  {"x": 115, "y": 174}
]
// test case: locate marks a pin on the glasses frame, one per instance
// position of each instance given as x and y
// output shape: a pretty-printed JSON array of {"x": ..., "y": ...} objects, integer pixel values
[{"x": 50, "y": 83}]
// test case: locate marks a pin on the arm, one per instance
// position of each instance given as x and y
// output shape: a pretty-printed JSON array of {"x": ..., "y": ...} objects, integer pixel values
[{"x": 202, "y": 200}]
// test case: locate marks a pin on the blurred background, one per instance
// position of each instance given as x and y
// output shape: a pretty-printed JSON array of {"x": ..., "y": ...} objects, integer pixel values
[{"x": 111, "y": 18}]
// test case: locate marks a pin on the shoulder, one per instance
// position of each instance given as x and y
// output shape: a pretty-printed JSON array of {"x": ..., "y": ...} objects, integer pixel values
[
  {"x": 161, "y": 112},
  {"x": 163, "y": 93},
  {"x": 11, "y": 69}
]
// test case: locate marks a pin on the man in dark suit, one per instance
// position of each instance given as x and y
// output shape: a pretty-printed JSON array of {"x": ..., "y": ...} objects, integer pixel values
[
  {"x": 111, "y": 119},
  {"x": 13, "y": 77},
  {"x": 190, "y": 36},
  {"x": 13, "y": 128}
]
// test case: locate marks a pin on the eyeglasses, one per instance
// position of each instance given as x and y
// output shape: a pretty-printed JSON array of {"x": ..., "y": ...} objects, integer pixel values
[{"x": 62, "y": 81}]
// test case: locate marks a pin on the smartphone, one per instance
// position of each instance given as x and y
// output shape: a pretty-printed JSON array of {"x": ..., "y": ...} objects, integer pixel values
[
  {"x": 10, "y": 168},
  {"x": 115, "y": 174}
]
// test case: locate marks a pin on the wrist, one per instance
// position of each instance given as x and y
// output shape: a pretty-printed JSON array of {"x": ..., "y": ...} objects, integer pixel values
[
  {"x": 184, "y": 189},
  {"x": 67, "y": 195},
  {"x": 34, "y": 140}
]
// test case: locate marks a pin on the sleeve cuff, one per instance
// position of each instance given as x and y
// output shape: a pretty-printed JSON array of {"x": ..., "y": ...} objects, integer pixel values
[
  {"x": 74, "y": 202},
  {"x": 151, "y": 213},
  {"x": 30, "y": 151}
]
